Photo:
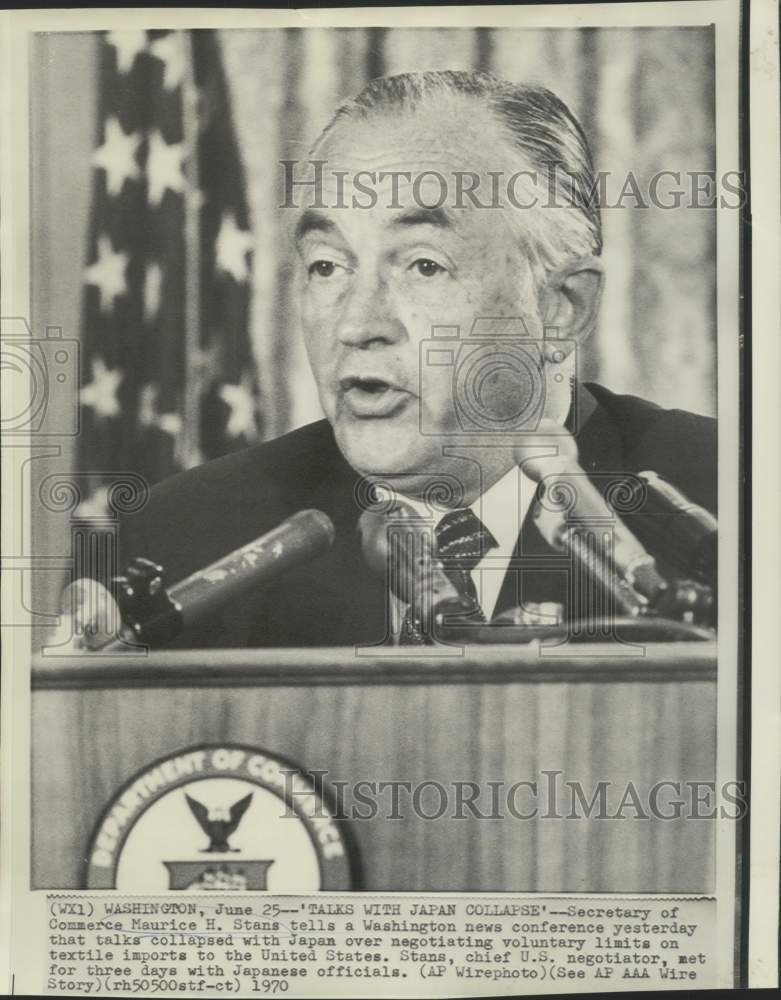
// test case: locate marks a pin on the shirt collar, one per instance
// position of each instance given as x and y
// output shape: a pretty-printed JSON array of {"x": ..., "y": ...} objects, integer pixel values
[{"x": 501, "y": 508}]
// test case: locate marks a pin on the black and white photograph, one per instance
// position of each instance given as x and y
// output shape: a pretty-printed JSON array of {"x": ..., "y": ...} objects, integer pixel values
[{"x": 380, "y": 419}]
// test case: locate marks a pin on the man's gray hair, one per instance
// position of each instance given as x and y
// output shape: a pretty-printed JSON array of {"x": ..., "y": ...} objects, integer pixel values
[{"x": 539, "y": 126}]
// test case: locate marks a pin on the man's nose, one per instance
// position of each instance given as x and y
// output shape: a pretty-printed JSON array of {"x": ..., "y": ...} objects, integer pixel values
[{"x": 369, "y": 315}]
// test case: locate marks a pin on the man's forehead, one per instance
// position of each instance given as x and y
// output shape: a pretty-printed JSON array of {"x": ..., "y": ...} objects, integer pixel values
[
  {"x": 397, "y": 172},
  {"x": 459, "y": 135}
]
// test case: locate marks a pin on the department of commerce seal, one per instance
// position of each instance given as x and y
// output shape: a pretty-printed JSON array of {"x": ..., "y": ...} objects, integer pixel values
[{"x": 226, "y": 818}]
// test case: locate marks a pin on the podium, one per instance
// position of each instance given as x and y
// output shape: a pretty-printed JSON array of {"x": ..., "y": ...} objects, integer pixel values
[{"x": 499, "y": 714}]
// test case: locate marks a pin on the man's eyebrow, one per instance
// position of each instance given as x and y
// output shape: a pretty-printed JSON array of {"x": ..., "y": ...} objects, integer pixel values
[
  {"x": 424, "y": 217},
  {"x": 313, "y": 222}
]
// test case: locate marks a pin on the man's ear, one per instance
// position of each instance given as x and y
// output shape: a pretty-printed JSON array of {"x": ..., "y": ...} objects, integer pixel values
[{"x": 571, "y": 296}]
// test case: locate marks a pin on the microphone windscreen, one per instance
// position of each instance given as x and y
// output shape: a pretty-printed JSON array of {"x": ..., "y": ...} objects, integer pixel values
[
  {"x": 398, "y": 529},
  {"x": 374, "y": 540},
  {"x": 400, "y": 545},
  {"x": 298, "y": 539},
  {"x": 684, "y": 534}
]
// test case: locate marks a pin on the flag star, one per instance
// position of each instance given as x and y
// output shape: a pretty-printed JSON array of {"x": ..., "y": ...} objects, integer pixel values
[
  {"x": 101, "y": 392},
  {"x": 107, "y": 273},
  {"x": 128, "y": 45},
  {"x": 170, "y": 51},
  {"x": 153, "y": 286},
  {"x": 148, "y": 415},
  {"x": 164, "y": 167},
  {"x": 170, "y": 423},
  {"x": 232, "y": 246},
  {"x": 117, "y": 156},
  {"x": 241, "y": 402}
]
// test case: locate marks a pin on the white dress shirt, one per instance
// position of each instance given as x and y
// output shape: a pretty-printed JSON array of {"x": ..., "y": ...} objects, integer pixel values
[{"x": 501, "y": 508}]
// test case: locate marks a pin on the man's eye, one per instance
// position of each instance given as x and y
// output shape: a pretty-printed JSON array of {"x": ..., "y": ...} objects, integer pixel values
[
  {"x": 322, "y": 268},
  {"x": 427, "y": 268}
]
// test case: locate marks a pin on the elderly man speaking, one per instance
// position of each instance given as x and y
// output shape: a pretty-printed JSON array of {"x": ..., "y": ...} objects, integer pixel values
[{"x": 449, "y": 245}]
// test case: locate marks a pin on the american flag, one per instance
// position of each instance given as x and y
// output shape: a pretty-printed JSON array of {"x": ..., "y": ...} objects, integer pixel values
[{"x": 168, "y": 377}]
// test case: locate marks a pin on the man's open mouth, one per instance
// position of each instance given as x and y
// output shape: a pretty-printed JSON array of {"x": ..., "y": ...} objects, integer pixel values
[{"x": 370, "y": 396}]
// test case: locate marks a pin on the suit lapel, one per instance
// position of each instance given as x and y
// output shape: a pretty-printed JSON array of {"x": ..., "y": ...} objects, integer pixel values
[{"x": 352, "y": 594}]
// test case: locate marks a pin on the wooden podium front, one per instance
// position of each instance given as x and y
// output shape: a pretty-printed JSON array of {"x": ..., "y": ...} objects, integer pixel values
[{"x": 499, "y": 715}]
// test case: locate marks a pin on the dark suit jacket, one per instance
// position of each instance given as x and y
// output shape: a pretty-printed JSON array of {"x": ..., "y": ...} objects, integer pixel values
[{"x": 194, "y": 518}]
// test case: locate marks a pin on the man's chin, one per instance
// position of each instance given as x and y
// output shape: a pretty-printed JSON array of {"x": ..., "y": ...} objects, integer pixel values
[
  {"x": 386, "y": 452},
  {"x": 421, "y": 465}
]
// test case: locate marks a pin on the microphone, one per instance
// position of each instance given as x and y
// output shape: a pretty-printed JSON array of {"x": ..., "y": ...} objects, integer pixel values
[
  {"x": 399, "y": 545},
  {"x": 684, "y": 534},
  {"x": 571, "y": 516},
  {"x": 152, "y": 615}
]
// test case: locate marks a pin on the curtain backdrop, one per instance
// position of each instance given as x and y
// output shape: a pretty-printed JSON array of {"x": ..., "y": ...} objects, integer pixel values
[{"x": 645, "y": 99}]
